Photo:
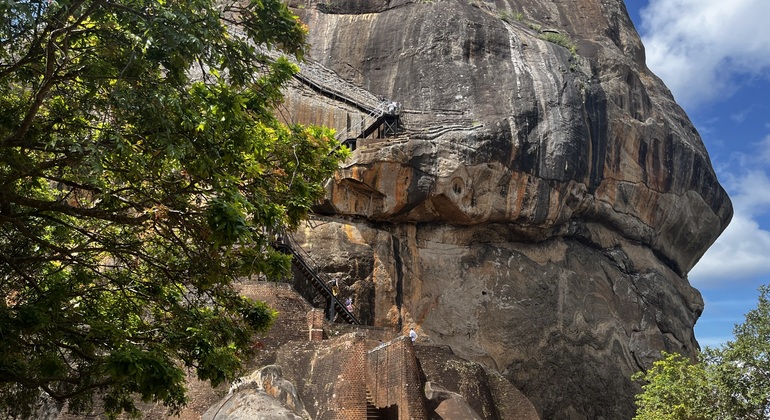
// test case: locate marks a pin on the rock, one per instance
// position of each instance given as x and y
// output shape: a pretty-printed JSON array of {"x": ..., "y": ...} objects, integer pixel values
[
  {"x": 543, "y": 203},
  {"x": 265, "y": 394},
  {"x": 437, "y": 393},
  {"x": 250, "y": 404},
  {"x": 564, "y": 322},
  {"x": 467, "y": 389},
  {"x": 343, "y": 376},
  {"x": 271, "y": 380},
  {"x": 540, "y": 136},
  {"x": 450, "y": 405}
]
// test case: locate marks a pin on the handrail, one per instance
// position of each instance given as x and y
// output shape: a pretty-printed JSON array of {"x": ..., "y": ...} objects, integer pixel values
[
  {"x": 373, "y": 116},
  {"x": 286, "y": 244},
  {"x": 331, "y": 92},
  {"x": 323, "y": 80}
]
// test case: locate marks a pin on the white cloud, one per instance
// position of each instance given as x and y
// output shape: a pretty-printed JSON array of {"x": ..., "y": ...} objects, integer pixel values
[
  {"x": 741, "y": 115},
  {"x": 740, "y": 253},
  {"x": 700, "y": 48},
  {"x": 750, "y": 192},
  {"x": 764, "y": 150},
  {"x": 743, "y": 249}
]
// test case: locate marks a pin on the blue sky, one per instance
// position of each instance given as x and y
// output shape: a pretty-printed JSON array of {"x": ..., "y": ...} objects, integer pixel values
[{"x": 714, "y": 55}]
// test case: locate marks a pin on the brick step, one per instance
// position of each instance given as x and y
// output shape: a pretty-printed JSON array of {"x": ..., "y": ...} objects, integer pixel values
[{"x": 372, "y": 413}]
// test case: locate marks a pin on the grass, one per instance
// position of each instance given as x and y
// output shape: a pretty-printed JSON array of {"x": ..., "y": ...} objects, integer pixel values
[
  {"x": 510, "y": 17},
  {"x": 560, "y": 39}
]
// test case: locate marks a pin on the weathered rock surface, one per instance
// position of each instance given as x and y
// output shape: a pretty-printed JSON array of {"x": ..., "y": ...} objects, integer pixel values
[
  {"x": 541, "y": 211},
  {"x": 264, "y": 394},
  {"x": 480, "y": 393},
  {"x": 450, "y": 405},
  {"x": 247, "y": 404}
]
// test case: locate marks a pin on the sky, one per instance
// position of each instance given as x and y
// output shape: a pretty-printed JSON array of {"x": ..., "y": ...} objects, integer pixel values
[{"x": 714, "y": 56}]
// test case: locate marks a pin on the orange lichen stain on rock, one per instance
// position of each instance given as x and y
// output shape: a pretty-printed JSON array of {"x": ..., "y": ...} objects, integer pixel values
[
  {"x": 393, "y": 315},
  {"x": 400, "y": 187},
  {"x": 353, "y": 234},
  {"x": 516, "y": 193},
  {"x": 355, "y": 172}
]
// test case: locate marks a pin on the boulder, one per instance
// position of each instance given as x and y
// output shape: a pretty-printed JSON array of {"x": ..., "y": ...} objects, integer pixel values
[
  {"x": 264, "y": 394},
  {"x": 250, "y": 404},
  {"x": 450, "y": 405},
  {"x": 542, "y": 203}
]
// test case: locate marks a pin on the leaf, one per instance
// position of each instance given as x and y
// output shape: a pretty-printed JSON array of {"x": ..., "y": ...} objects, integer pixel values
[{"x": 125, "y": 195}]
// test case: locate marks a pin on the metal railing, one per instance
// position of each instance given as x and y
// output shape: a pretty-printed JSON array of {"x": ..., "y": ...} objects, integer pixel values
[{"x": 319, "y": 280}]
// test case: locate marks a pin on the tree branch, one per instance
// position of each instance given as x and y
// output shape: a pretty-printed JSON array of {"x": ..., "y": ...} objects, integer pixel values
[
  {"x": 74, "y": 211},
  {"x": 48, "y": 77}
]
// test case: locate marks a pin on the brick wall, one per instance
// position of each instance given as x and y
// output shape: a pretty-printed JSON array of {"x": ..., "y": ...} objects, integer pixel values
[
  {"x": 393, "y": 377},
  {"x": 351, "y": 388},
  {"x": 315, "y": 323},
  {"x": 329, "y": 376}
]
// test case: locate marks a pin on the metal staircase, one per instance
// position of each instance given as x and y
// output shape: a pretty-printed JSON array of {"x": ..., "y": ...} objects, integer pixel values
[
  {"x": 381, "y": 112},
  {"x": 302, "y": 262},
  {"x": 384, "y": 114}
]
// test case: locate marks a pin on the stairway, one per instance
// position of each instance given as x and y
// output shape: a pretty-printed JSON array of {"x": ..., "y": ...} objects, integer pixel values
[
  {"x": 372, "y": 413},
  {"x": 328, "y": 83},
  {"x": 301, "y": 263},
  {"x": 385, "y": 113}
]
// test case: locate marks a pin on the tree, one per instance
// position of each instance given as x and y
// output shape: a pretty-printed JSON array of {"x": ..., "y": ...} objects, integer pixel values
[
  {"x": 741, "y": 368},
  {"x": 729, "y": 382},
  {"x": 142, "y": 172},
  {"x": 675, "y": 389}
]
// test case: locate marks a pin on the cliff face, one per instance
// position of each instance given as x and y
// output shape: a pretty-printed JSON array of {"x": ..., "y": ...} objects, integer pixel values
[{"x": 543, "y": 204}]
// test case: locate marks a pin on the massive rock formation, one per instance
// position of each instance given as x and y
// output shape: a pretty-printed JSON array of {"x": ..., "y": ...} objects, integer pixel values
[{"x": 543, "y": 203}]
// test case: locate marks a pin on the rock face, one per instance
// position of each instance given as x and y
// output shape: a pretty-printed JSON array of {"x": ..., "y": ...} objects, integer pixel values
[
  {"x": 485, "y": 394},
  {"x": 264, "y": 395},
  {"x": 543, "y": 204}
]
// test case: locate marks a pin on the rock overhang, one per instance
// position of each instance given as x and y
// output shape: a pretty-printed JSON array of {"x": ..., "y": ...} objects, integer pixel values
[{"x": 540, "y": 136}]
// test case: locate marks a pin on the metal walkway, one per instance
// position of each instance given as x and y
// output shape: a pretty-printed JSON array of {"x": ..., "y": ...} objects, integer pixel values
[
  {"x": 380, "y": 111},
  {"x": 384, "y": 118},
  {"x": 382, "y": 114}
]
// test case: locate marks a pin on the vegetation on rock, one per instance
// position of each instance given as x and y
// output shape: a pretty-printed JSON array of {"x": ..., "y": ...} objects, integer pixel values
[
  {"x": 141, "y": 173},
  {"x": 729, "y": 382},
  {"x": 560, "y": 40}
]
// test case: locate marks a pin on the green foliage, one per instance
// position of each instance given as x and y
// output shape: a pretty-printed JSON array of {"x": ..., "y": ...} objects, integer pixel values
[
  {"x": 511, "y": 17},
  {"x": 730, "y": 382},
  {"x": 561, "y": 40},
  {"x": 742, "y": 367},
  {"x": 133, "y": 194},
  {"x": 675, "y": 389}
]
